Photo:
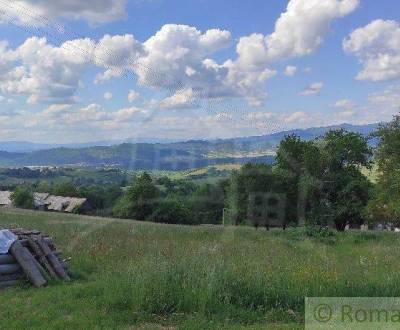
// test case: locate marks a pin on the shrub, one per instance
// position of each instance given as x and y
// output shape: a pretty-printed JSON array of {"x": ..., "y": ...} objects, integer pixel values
[
  {"x": 173, "y": 212},
  {"x": 23, "y": 198}
]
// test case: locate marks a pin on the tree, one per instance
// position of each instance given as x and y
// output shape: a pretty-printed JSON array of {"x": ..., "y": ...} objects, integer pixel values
[
  {"x": 22, "y": 198},
  {"x": 140, "y": 200},
  {"x": 207, "y": 203},
  {"x": 171, "y": 211},
  {"x": 295, "y": 159},
  {"x": 255, "y": 194},
  {"x": 100, "y": 197},
  {"x": 65, "y": 189},
  {"x": 324, "y": 181},
  {"x": 43, "y": 187},
  {"x": 385, "y": 206}
]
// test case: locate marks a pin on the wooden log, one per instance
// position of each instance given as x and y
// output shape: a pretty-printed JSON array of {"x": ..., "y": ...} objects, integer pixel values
[
  {"x": 11, "y": 277},
  {"x": 7, "y": 259},
  {"x": 43, "y": 271},
  {"x": 27, "y": 262},
  {"x": 64, "y": 265},
  {"x": 53, "y": 260},
  {"x": 9, "y": 284},
  {"x": 25, "y": 242},
  {"x": 42, "y": 258},
  {"x": 9, "y": 269}
]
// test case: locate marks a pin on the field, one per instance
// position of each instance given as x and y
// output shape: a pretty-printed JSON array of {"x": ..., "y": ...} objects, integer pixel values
[{"x": 135, "y": 275}]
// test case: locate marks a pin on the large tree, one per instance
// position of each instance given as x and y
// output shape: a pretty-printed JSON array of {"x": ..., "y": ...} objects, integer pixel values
[
  {"x": 327, "y": 180},
  {"x": 256, "y": 194},
  {"x": 140, "y": 200},
  {"x": 385, "y": 207}
]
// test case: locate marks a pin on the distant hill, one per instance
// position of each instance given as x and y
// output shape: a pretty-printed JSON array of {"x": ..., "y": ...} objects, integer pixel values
[{"x": 160, "y": 156}]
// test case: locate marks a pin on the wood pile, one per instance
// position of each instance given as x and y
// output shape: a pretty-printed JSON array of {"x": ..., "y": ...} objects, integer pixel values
[{"x": 34, "y": 258}]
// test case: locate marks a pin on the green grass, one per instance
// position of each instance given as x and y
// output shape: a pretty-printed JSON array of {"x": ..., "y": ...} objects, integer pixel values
[{"x": 134, "y": 275}]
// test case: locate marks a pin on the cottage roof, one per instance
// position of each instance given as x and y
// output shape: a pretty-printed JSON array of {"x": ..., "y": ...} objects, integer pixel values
[
  {"x": 40, "y": 199},
  {"x": 5, "y": 198},
  {"x": 66, "y": 204}
]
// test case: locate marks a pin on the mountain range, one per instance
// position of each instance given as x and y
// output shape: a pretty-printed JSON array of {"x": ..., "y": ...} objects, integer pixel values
[{"x": 153, "y": 155}]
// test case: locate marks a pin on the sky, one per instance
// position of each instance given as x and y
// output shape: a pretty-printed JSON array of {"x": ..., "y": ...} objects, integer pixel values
[{"x": 79, "y": 71}]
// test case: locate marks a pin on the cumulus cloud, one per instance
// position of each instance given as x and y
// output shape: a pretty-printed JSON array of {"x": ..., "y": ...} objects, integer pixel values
[
  {"x": 93, "y": 114},
  {"x": 116, "y": 54},
  {"x": 299, "y": 31},
  {"x": 183, "y": 99},
  {"x": 34, "y": 12},
  {"x": 377, "y": 47},
  {"x": 43, "y": 72},
  {"x": 177, "y": 59},
  {"x": 290, "y": 71},
  {"x": 312, "y": 89}
]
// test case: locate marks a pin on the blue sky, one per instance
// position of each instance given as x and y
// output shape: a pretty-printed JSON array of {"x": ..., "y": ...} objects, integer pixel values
[{"x": 115, "y": 69}]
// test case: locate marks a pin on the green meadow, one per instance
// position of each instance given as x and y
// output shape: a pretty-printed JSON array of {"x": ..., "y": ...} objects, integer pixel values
[{"x": 137, "y": 275}]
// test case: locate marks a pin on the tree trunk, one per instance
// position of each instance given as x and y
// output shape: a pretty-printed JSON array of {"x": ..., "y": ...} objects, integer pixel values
[
  {"x": 53, "y": 260},
  {"x": 27, "y": 262}
]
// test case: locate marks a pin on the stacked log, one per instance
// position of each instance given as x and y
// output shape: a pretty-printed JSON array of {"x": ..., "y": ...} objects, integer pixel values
[{"x": 34, "y": 258}]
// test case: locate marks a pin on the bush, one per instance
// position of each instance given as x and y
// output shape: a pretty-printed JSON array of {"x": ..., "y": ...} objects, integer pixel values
[
  {"x": 23, "y": 198},
  {"x": 172, "y": 212}
]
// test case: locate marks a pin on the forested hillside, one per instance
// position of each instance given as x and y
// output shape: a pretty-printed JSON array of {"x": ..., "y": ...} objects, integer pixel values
[{"x": 168, "y": 156}]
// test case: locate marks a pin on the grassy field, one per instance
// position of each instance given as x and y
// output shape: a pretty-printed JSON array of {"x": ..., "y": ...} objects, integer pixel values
[{"x": 134, "y": 275}]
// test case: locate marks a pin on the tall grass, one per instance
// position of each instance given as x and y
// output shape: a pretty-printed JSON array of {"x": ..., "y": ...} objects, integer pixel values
[{"x": 131, "y": 274}]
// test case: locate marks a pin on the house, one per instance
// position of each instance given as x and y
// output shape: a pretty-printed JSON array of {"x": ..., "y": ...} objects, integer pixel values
[
  {"x": 47, "y": 202},
  {"x": 5, "y": 199},
  {"x": 39, "y": 200},
  {"x": 67, "y": 204}
]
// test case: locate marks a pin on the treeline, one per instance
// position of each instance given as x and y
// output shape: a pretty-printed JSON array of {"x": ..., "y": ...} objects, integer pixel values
[{"x": 319, "y": 182}]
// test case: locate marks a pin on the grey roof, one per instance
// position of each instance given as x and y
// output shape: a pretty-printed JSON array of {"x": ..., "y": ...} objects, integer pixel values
[
  {"x": 53, "y": 203},
  {"x": 40, "y": 199},
  {"x": 5, "y": 198},
  {"x": 64, "y": 204}
]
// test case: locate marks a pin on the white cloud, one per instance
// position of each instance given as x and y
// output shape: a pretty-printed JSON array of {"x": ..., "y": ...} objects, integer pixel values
[
  {"x": 312, "y": 89},
  {"x": 298, "y": 117},
  {"x": 377, "y": 46},
  {"x": 178, "y": 58},
  {"x": 133, "y": 96},
  {"x": 116, "y": 54},
  {"x": 35, "y": 12},
  {"x": 93, "y": 114},
  {"x": 290, "y": 71},
  {"x": 299, "y": 31},
  {"x": 45, "y": 73},
  {"x": 56, "y": 110},
  {"x": 388, "y": 99},
  {"x": 344, "y": 104},
  {"x": 108, "y": 96},
  {"x": 183, "y": 99}
]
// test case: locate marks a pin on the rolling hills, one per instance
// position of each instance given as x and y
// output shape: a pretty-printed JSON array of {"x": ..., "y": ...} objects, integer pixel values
[{"x": 161, "y": 156}]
